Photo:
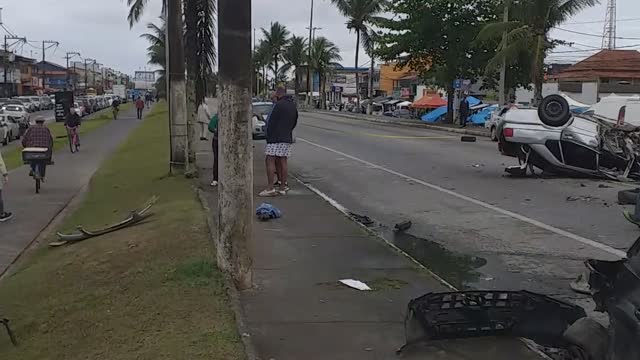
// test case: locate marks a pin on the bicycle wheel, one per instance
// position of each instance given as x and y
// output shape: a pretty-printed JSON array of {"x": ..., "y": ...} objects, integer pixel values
[
  {"x": 36, "y": 177},
  {"x": 71, "y": 143}
]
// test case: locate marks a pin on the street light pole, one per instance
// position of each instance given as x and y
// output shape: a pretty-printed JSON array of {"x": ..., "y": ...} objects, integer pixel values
[
  {"x": 235, "y": 201},
  {"x": 70, "y": 55},
  {"x": 86, "y": 73},
  {"x": 309, "y": 89}
]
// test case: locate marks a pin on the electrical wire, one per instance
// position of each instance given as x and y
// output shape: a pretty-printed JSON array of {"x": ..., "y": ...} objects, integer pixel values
[
  {"x": 595, "y": 35},
  {"x": 600, "y": 21}
]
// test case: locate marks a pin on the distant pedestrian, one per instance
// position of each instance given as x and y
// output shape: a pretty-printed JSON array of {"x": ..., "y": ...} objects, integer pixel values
[
  {"x": 140, "y": 107},
  {"x": 213, "y": 128},
  {"x": 4, "y": 215},
  {"x": 464, "y": 111},
  {"x": 204, "y": 117},
  {"x": 147, "y": 99},
  {"x": 282, "y": 121}
]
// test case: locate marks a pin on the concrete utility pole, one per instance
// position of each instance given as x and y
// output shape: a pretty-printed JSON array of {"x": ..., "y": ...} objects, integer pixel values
[
  {"x": 235, "y": 202},
  {"x": 69, "y": 56},
  {"x": 177, "y": 88},
  {"x": 44, "y": 53},
  {"x": 6, "y": 60},
  {"x": 309, "y": 82},
  {"x": 86, "y": 73}
]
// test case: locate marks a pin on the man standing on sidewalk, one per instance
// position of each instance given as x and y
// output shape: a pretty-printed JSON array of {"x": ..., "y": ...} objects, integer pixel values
[
  {"x": 282, "y": 121},
  {"x": 139, "y": 107}
]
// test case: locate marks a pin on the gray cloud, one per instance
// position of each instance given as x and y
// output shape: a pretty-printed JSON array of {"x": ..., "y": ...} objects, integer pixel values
[{"x": 99, "y": 28}]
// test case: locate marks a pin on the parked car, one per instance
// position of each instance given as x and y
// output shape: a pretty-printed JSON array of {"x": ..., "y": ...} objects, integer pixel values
[
  {"x": 36, "y": 101},
  {"x": 261, "y": 111},
  {"x": 78, "y": 108},
  {"x": 85, "y": 105},
  {"x": 27, "y": 103},
  {"x": 46, "y": 103},
  {"x": 554, "y": 140},
  {"x": 9, "y": 129}
]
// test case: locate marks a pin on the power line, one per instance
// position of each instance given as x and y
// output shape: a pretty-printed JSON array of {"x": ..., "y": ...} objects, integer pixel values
[
  {"x": 599, "y": 21},
  {"x": 595, "y": 35}
]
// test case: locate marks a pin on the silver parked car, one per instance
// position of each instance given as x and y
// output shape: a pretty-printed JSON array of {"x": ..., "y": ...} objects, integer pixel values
[
  {"x": 556, "y": 141},
  {"x": 9, "y": 129},
  {"x": 261, "y": 111}
]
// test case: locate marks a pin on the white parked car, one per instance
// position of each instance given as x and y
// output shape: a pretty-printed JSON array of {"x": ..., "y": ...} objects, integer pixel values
[
  {"x": 18, "y": 112},
  {"x": 9, "y": 129},
  {"x": 79, "y": 109},
  {"x": 261, "y": 111}
]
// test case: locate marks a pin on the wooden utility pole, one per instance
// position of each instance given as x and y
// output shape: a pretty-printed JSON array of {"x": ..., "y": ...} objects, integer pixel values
[
  {"x": 44, "y": 57},
  {"x": 86, "y": 73},
  {"x": 235, "y": 201},
  {"x": 176, "y": 88}
]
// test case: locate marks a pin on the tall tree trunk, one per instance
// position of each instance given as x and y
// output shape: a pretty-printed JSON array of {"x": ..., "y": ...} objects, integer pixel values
[
  {"x": 323, "y": 88},
  {"x": 538, "y": 68},
  {"x": 191, "y": 54},
  {"x": 357, "y": 73},
  {"x": 275, "y": 71},
  {"x": 450, "y": 96},
  {"x": 295, "y": 86}
]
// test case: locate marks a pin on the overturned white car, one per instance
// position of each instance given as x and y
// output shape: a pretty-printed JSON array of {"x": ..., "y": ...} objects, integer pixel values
[{"x": 556, "y": 141}]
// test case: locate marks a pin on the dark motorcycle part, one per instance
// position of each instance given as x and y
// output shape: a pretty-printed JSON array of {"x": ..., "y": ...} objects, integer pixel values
[
  {"x": 554, "y": 111},
  {"x": 588, "y": 340},
  {"x": 628, "y": 197},
  {"x": 616, "y": 290},
  {"x": 403, "y": 226},
  {"x": 466, "y": 314}
]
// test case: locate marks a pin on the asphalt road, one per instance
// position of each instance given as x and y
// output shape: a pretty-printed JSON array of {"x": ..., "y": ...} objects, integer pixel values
[{"x": 471, "y": 225}]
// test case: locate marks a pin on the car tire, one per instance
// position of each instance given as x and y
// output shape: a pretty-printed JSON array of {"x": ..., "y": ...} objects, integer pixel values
[
  {"x": 5, "y": 141},
  {"x": 628, "y": 197},
  {"x": 554, "y": 111},
  {"x": 494, "y": 133}
]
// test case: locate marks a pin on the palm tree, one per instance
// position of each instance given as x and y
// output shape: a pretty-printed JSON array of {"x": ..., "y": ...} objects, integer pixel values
[
  {"x": 261, "y": 60},
  {"x": 157, "y": 52},
  {"x": 359, "y": 14},
  {"x": 277, "y": 40},
  {"x": 324, "y": 54},
  {"x": 528, "y": 32},
  {"x": 295, "y": 56}
]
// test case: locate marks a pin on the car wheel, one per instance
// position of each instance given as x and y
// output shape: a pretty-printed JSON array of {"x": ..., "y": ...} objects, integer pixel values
[
  {"x": 494, "y": 133},
  {"x": 554, "y": 111},
  {"x": 628, "y": 197},
  {"x": 5, "y": 142}
]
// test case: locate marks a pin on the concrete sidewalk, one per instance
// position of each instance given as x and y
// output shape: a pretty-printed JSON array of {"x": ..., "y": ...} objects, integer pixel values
[
  {"x": 33, "y": 212},
  {"x": 298, "y": 310}
]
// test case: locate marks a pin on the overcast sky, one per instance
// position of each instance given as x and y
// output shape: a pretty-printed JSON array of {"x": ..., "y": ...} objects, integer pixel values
[{"x": 98, "y": 28}]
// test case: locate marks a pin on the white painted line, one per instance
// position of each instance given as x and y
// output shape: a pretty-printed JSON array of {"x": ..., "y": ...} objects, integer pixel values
[
  {"x": 512, "y": 214},
  {"x": 347, "y": 213}
]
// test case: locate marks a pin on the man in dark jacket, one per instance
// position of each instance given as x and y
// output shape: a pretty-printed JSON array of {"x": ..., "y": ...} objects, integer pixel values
[
  {"x": 464, "y": 111},
  {"x": 282, "y": 121}
]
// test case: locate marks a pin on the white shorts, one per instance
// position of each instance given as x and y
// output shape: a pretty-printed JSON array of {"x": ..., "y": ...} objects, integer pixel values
[{"x": 279, "y": 150}]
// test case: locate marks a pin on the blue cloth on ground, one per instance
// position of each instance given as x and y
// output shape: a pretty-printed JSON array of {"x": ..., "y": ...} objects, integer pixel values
[{"x": 267, "y": 211}]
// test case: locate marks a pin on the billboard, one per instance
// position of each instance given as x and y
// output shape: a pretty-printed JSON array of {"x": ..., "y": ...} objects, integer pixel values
[{"x": 144, "y": 80}]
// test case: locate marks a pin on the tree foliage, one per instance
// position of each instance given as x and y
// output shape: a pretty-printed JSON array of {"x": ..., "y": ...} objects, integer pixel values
[
  {"x": 524, "y": 39},
  {"x": 277, "y": 39},
  {"x": 324, "y": 54},
  {"x": 436, "y": 38}
]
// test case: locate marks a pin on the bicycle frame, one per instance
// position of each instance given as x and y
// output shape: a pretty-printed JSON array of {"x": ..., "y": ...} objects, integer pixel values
[{"x": 74, "y": 141}]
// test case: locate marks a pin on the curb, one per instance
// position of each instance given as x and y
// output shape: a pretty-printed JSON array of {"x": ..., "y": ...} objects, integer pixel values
[
  {"x": 368, "y": 118},
  {"x": 232, "y": 292}
]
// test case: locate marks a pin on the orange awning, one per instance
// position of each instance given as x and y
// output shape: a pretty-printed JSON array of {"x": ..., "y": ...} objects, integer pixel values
[{"x": 429, "y": 102}]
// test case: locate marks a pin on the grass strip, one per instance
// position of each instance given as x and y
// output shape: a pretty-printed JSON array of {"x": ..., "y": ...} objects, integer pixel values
[{"x": 151, "y": 291}]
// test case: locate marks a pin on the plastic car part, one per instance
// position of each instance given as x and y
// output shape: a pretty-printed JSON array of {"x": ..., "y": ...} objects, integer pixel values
[
  {"x": 554, "y": 111},
  {"x": 489, "y": 313}
]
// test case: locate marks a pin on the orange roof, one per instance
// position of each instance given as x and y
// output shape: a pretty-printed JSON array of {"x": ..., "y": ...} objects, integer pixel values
[
  {"x": 428, "y": 102},
  {"x": 607, "y": 64}
]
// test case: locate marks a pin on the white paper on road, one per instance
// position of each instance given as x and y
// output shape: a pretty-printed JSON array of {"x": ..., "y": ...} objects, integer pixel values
[{"x": 356, "y": 284}]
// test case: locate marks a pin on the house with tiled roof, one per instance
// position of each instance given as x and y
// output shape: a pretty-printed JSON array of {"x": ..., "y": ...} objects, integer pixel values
[{"x": 607, "y": 72}]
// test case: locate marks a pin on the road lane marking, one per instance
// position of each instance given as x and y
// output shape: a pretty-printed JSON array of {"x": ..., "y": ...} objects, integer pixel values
[
  {"x": 407, "y": 137},
  {"x": 511, "y": 214},
  {"x": 418, "y": 137}
]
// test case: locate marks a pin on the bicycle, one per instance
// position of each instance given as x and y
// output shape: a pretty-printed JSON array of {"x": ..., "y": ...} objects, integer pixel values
[
  {"x": 37, "y": 158},
  {"x": 74, "y": 139}
]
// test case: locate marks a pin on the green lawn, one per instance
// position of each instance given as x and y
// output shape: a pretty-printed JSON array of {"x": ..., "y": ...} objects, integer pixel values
[
  {"x": 13, "y": 157},
  {"x": 147, "y": 292}
]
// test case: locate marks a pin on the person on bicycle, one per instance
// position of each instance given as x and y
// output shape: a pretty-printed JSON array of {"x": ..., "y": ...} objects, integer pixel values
[
  {"x": 115, "y": 107},
  {"x": 72, "y": 122},
  {"x": 38, "y": 136}
]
